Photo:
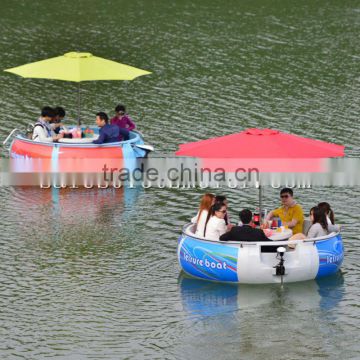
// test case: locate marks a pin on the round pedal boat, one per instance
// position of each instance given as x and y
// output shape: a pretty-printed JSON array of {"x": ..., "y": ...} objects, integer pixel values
[
  {"x": 31, "y": 156},
  {"x": 258, "y": 262}
]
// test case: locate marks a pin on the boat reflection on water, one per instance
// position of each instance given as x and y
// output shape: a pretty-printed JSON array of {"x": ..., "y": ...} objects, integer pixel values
[
  {"x": 332, "y": 290},
  {"x": 67, "y": 223},
  {"x": 72, "y": 216},
  {"x": 82, "y": 203},
  {"x": 206, "y": 298}
]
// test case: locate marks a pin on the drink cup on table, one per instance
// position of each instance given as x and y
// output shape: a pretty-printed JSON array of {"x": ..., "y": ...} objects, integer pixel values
[
  {"x": 256, "y": 218},
  {"x": 274, "y": 224}
]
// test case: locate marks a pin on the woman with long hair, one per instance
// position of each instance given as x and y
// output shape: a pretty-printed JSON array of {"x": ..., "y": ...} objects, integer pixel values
[
  {"x": 215, "y": 224},
  {"x": 206, "y": 202},
  {"x": 324, "y": 206},
  {"x": 223, "y": 200},
  {"x": 319, "y": 227}
]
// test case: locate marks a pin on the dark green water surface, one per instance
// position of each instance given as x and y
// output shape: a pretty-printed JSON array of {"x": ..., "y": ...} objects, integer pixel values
[{"x": 92, "y": 274}]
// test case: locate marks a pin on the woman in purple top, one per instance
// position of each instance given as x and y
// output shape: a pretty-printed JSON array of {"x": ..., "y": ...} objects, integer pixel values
[{"x": 123, "y": 121}]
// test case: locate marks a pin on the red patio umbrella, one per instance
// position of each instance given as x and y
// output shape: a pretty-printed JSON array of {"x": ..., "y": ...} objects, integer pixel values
[
  {"x": 267, "y": 150},
  {"x": 261, "y": 143}
]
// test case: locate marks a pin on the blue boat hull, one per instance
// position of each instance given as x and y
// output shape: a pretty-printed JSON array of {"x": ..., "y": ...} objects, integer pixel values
[{"x": 244, "y": 262}]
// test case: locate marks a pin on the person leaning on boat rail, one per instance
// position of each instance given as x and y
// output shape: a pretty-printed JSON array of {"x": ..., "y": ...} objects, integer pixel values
[
  {"x": 123, "y": 121},
  {"x": 290, "y": 213},
  {"x": 320, "y": 226},
  {"x": 108, "y": 133},
  {"x": 246, "y": 232},
  {"x": 42, "y": 131},
  {"x": 215, "y": 224},
  {"x": 200, "y": 219}
]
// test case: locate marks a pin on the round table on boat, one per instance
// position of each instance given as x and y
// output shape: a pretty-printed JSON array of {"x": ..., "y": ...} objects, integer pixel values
[
  {"x": 78, "y": 140},
  {"x": 283, "y": 235}
]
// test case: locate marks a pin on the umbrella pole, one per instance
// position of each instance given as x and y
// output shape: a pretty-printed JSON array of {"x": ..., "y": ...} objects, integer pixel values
[
  {"x": 79, "y": 104},
  {"x": 260, "y": 203}
]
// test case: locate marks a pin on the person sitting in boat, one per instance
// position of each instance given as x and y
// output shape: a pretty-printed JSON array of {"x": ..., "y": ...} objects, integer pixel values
[
  {"x": 319, "y": 227},
  {"x": 56, "y": 124},
  {"x": 215, "y": 224},
  {"x": 123, "y": 121},
  {"x": 42, "y": 130},
  {"x": 246, "y": 232},
  {"x": 324, "y": 206},
  {"x": 223, "y": 199},
  {"x": 290, "y": 213},
  {"x": 108, "y": 133},
  {"x": 200, "y": 219}
]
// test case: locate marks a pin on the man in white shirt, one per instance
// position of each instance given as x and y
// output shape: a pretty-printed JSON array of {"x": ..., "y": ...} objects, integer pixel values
[{"x": 42, "y": 131}]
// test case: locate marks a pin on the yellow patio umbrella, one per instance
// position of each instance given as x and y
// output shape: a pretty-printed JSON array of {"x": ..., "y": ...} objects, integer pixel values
[{"x": 77, "y": 67}]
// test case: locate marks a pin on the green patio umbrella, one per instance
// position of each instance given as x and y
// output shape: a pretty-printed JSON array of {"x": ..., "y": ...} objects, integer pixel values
[{"x": 78, "y": 67}]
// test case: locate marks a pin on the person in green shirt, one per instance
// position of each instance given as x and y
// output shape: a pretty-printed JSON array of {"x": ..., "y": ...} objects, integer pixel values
[{"x": 290, "y": 212}]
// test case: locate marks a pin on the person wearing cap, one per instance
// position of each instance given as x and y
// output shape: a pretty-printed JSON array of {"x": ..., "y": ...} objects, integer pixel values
[
  {"x": 123, "y": 121},
  {"x": 290, "y": 212}
]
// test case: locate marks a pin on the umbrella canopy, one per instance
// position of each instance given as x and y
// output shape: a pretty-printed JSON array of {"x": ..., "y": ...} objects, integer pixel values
[
  {"x": 264, "y": 149},
  {"x": 261, "y": 143},
  {"x": 77, "y": 67}
]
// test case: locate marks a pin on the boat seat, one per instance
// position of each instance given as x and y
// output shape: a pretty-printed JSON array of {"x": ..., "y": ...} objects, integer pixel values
[
  {"x": 192, "y": 228},
  {"x": 306, "y": 226}
]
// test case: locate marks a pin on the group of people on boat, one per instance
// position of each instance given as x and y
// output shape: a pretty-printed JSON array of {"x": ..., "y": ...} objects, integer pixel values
[
  {"x": 212, "y": 220},
  {"x": 118, "y": 129},
  {"x": 50, "y": 128}
]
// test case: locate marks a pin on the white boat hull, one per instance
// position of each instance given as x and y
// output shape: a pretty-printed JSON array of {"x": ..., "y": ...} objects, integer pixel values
[{"x": 248, "y": 263}]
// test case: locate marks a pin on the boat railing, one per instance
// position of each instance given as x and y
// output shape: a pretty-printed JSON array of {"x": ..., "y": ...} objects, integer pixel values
[
  {"x": 135, "y": 141},
  {"x": 22, "y": 132},
  {"x": 186, "y": 230},
  {"x": 131, "y": 141},
  {"x": 322, "y": 238},
  {"x": 5, "y": 142}
]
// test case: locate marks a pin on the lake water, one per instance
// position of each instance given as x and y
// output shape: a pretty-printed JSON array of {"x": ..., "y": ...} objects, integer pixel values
[{"x": 92, "y": 274}]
